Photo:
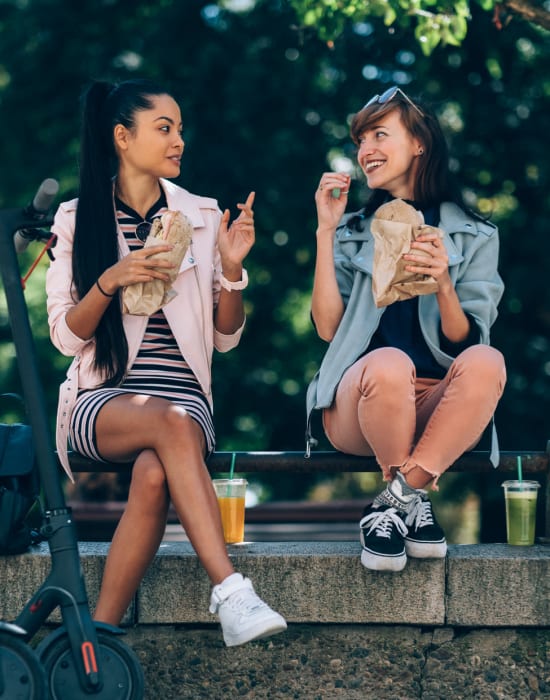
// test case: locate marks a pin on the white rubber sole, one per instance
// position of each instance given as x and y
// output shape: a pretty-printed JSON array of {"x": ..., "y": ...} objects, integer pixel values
[
  {"x": 263, "y": 628},
  {"x": 426, "y": 550},
  {"x": 375, "y": 562}
]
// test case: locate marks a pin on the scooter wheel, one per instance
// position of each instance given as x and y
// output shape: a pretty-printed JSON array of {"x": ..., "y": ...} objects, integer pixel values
[
  {"x": 21, "y": 674},
  {"x": 121, "y": 672}
]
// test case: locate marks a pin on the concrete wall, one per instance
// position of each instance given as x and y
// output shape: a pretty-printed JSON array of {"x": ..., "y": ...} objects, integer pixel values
[{"x": 475, "y": 625}]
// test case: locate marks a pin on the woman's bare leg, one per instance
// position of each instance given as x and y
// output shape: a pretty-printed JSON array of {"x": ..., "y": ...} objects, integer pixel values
[
  {"x": 136, "y": 539},
  {"x": 131, "y": 423}
]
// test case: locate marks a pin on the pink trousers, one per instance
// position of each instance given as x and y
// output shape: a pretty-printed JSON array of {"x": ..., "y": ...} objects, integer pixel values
[{"x": 383, "y": 409}]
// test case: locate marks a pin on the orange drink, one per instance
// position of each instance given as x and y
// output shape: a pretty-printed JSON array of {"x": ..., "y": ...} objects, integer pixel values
[
  {"x": 231, "y": 498},
  {"x": 232, "y": 512}
]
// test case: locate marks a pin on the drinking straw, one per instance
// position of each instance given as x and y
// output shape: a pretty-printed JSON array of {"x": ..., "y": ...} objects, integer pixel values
[
  {"x": 231, "y": 471},
  {"x": 520, "y": 473}
]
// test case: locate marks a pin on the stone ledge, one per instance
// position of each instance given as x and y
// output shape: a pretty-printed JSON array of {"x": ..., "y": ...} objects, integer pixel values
[
  {"x": 322, "y": 582},
  {"x": 498, "y": 585},
  {"x": 305, "y": 581}
]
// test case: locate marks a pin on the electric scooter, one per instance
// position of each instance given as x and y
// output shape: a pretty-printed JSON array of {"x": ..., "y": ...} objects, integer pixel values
[{"x": 81, "y": 659}]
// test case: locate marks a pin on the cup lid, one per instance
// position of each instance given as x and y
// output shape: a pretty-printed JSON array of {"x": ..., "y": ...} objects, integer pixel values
[
  {"x": 236, "y": 480},
  {"x": 525, "y": 485}
]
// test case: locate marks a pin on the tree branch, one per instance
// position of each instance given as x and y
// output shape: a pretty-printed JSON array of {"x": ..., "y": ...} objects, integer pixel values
[{"x": 531, "y": 11}]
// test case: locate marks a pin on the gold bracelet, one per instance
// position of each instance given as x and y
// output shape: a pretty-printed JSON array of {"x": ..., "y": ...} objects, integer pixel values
[{"x": 109, "y": 296}]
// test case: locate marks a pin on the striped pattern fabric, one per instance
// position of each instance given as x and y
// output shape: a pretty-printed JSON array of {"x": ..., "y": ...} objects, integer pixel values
[{"x": 158, "y": 370}]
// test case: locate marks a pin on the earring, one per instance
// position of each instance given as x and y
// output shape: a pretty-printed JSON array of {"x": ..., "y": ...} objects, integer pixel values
[{"x": 420, "y": 151}]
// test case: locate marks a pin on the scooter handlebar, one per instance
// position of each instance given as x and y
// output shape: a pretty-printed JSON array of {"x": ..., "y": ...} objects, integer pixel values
[{"x": 36, "y": 211}]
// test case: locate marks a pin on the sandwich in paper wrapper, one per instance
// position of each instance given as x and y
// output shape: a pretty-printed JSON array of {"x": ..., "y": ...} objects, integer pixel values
[
  {"x": 395, "y": 226},
  {"x": 145, "y": 298}
]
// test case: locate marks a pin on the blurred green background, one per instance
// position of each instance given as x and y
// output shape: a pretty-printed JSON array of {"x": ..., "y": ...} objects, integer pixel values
[{"x": 266, "y": 107}]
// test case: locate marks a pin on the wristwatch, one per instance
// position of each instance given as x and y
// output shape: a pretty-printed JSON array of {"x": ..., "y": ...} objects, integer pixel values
[{"x": 235, "y": 286}]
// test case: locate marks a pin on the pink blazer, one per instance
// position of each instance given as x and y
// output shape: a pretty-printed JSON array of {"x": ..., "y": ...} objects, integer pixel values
[{"x": 190, "y": 314}]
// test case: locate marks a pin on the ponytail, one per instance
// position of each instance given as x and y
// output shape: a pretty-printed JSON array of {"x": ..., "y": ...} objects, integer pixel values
[{"x": 95, "y": 245}]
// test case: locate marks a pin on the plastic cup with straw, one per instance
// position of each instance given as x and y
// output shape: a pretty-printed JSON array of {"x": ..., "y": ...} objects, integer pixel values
[
  {"x": 521, "y": 506},
  {"x": 231, "y": 494}
]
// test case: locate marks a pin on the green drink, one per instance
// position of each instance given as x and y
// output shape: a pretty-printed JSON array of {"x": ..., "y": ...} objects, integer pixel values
[{"x": 521, "y": 510}]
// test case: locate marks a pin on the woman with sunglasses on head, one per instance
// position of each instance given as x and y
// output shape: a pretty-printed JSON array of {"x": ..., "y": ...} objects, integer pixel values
[
  {"x": 139, "y": 388},
  {"x": 414, "y": 383}
]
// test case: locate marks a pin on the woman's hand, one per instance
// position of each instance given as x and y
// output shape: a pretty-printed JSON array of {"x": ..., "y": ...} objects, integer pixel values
[
  {"x": 236, "y": 240},
  {"x": 138, "y": 266},
  {"x": 330, "y": 208},
  {"x": 327, "y": 306},
  {"x": 431, "y": 258},
  {"x": 234, "y": 244}
]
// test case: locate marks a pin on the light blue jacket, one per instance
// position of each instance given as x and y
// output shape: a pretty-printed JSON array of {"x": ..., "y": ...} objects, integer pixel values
[{"x": 472, "y": 247}]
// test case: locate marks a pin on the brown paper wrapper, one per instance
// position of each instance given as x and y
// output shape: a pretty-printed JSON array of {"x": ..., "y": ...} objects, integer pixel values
[
  {"x": 146, "y": 298},
  {"x": 395, "y": 226}
]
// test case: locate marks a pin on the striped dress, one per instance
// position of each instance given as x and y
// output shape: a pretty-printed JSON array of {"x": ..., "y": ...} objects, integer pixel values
[{"x": 159, "y": 368}]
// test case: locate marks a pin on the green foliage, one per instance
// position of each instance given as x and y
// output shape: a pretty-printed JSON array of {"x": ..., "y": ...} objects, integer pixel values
[
  {"x": 435, "y": 22},
  {"x": 266, "y": 107}
]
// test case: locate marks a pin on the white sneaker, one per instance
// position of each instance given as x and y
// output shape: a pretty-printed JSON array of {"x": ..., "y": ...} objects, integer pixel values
[{"x": 243, "y": 615}]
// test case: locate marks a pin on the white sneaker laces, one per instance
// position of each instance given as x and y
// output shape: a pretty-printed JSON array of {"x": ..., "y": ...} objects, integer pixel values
[
  {"x": 239, "y": 595},
  {"x": 245, "y": 603},
  {"x": 381, "y": 522},
  {"x": 420, "y": 514}
]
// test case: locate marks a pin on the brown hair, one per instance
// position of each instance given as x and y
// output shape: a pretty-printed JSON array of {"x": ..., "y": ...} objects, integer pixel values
[{"x": 433, "y": 179}]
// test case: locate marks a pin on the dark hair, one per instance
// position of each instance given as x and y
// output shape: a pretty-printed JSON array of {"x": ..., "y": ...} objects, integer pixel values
[
  {"x": 434, "y": 181},
  {"x": 95, "y": 245}
]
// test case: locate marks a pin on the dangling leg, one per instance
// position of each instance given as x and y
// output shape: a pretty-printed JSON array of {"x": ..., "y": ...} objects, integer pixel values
[
  {"x": 374, "y": 412},
  {"x": 452, "y": 415},
  {"x": 127, "y": 425},
  {"x": 136, "y": 539}
]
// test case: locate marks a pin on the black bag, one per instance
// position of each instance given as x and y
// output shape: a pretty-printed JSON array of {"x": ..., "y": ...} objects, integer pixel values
[{"x": 19, "y": 485}]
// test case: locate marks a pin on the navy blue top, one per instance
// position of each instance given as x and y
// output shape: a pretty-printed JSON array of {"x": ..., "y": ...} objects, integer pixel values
[{"x": 400, "y": 328}]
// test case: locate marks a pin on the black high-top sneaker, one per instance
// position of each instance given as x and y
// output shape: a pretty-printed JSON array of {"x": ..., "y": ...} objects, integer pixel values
[{"x": 425, "y": 538}]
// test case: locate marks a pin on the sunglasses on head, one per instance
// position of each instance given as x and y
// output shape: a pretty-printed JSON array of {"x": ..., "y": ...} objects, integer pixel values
[{"x": 388, "y": 95}]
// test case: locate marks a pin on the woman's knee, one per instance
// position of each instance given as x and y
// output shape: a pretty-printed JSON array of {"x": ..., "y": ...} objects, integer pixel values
[
  {"x": 149, "y": 477},
  {"x": 484, "y": 363},
  {"x": 387, "y": 368},
  {"x": 174, "y": 426},
  {"x": 173, "y": 420}
]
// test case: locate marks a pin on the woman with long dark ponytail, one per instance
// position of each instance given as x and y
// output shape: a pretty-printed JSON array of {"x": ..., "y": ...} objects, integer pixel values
[{"x": 139, "y": 387}]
